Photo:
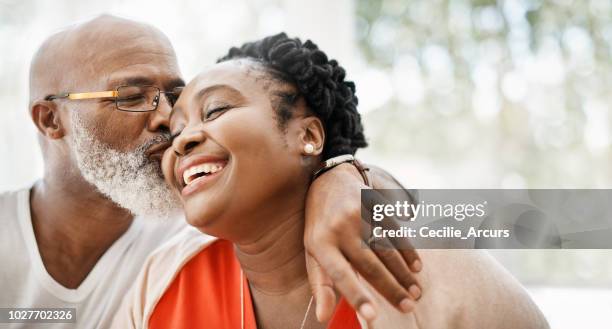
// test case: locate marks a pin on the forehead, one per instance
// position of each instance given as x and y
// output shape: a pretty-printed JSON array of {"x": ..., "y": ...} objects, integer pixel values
[
  {"x": 238, "y": 73},
  {"x": 242, "y": 75},
  {"x": 119, "y": 57}
]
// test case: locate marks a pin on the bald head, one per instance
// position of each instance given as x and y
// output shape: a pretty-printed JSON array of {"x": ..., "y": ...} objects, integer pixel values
[
  {"x": 89, "y": 144},
  {"x": 82, "y": 56}
]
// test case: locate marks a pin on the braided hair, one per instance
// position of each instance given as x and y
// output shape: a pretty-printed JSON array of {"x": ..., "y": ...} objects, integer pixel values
[{"x": 318, "y": 79}]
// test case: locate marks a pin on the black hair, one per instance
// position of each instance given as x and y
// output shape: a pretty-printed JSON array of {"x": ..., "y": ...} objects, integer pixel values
[{"x": 319, "y": 80}]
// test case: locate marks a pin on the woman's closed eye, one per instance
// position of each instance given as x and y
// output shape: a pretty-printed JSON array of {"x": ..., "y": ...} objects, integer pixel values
[{"x": 215, "y": 111}]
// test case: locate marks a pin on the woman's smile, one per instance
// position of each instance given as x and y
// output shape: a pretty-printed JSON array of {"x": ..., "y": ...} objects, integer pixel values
[
  {"x": 237, "y": 138},
  {"x": 197, "y": 171}
]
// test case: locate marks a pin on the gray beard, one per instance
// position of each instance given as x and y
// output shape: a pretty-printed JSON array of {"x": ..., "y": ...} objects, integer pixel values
[{"x": 130, "y": 179}]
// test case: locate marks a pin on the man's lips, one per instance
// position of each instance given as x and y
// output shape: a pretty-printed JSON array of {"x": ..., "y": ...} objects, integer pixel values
[{"x": 156, "y": 151}]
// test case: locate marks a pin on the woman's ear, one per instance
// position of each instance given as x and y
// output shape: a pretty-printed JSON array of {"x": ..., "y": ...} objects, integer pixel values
[
  {"x": 46, "y": 117},
  {"x": 312, "y": 136}
]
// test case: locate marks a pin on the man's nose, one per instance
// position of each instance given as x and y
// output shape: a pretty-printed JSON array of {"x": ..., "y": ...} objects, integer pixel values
[{"x": 160, "y": 118}]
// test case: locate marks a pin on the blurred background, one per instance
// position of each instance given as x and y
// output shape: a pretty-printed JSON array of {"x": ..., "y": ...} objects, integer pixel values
[{"x": 454, "y": 94}]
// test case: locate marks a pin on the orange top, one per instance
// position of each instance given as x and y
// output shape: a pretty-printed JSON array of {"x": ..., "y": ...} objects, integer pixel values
[{"x": 204, "y": 294}]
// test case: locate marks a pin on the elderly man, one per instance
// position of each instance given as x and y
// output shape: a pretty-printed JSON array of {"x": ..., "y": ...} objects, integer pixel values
[{"x": 79, "y": 236}]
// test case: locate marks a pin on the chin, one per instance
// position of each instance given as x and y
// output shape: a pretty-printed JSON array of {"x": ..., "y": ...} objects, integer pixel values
[
  {"x": 202, "y": 212},
  {"x": 196, "y": 216}
]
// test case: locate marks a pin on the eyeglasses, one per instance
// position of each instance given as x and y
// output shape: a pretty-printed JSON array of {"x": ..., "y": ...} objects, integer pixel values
[{"x": 128, "y": 98}]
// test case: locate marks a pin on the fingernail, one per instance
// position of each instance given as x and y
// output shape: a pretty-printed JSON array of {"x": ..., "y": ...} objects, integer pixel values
[
  {"x": 367, "y": 311},
  {"x": 406, "y": 305},
  {"x": 415, "y": 291},
  {"x": 417, "y": 266}
]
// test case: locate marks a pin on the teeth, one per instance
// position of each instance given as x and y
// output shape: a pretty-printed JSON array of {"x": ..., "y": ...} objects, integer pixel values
[{"x": 206, "y": 168}]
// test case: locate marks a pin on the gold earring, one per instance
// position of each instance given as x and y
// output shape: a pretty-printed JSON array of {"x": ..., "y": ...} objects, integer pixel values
[{"x": 308, "y": 148}]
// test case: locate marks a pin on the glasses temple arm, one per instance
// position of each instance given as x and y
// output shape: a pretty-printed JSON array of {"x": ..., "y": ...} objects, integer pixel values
[{"x": 52, "y": 97}]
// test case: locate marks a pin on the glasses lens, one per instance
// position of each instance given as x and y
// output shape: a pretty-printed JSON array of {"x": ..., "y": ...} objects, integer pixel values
[
  {"x": 174, "y": 95},
  {"x": 137, "y": 98}
]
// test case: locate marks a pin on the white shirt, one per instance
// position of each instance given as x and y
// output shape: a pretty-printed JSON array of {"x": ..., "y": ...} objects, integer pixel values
[{"x": 24, "y": 281}]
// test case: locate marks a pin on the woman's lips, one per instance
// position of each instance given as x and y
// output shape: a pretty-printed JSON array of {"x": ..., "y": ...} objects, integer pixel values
[
  {"x": 195, "y": 171},
  {"x": 198, "y": 183}
]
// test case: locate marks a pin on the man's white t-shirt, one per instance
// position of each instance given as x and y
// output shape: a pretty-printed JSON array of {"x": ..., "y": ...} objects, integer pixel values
[{"x": 25, "y": 283}]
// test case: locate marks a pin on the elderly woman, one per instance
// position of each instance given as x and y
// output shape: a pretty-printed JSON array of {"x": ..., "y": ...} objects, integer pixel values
[{"x": 251, "y": 131}]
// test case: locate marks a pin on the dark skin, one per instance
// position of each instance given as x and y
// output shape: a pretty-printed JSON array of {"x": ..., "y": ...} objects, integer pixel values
[
  {"x": 257, "y": 201},
  {"x": 328, "y": 271},
  {"x": 226, "y": 118},
  {"x": 69, "y": 249},
  {"x": 74, "y": 224}
]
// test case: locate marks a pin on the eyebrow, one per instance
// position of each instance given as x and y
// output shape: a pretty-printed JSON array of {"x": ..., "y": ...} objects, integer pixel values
[
  {"x": 213, "y": 88},
  {"x": 143, "y": 80},
  {"x": 178, "y": 82},
  {"x": 210, "y": 89},
  {"x": 132, "y": 80}
]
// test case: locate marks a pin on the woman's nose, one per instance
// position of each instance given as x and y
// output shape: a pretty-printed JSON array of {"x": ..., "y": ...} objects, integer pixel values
[{"x": 187, "y": 140}]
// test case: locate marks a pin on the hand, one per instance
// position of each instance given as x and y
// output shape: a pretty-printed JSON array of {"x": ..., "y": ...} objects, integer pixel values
[{"x": 335, "y": 250}]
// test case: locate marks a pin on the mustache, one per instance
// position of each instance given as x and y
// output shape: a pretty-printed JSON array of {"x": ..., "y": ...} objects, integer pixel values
[{"x": 164, "y": 137}]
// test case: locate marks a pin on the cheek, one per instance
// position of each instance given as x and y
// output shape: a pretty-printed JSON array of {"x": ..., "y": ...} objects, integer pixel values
[
  {"x": 121, "y": 130},
  {"x": 253, "y": 139},
  {"x": 168, "y": 163},
  {"x": 254, "y": 126},
  {"x": 261, "y": 169},
  {"x": 262, "y": 160}
]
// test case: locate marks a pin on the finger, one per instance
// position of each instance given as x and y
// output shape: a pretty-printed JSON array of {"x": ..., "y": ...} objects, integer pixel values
[
  {"x": 407, "y": 250},
  {"x": 394, "y": 262},
  {"x": 403, "y": 245},
  {"x": 410, "y": 255},
  {"x": 346, "y": 281},
  {"x": 322, "y": 289},
  {"x": 376, "y": 273}
]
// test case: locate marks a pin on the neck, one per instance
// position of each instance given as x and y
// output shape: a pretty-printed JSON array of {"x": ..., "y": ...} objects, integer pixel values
[
  {"x": 275, "y": 262},
  {"x": 74, "y": 225},
  {"x": 275, "y": 266}
]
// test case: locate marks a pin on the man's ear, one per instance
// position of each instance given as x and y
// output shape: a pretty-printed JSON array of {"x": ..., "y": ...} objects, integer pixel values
[
  {"x": 46, "y": 117},
  {"x": 312, "y": 133}
]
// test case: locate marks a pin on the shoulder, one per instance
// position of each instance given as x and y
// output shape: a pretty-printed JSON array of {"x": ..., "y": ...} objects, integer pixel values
[
  {"x": 157, "y": 233},
  {"x": 467, "y": 289},
  {"x": 11, "y": 202},
  {"x": 176, "y": 252},
  {"x": 158, "y": 272},
  {"x": 16, "y": 247},
  {"x": 15, "y": 220},
  {"x": 476, "y": 291}
]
